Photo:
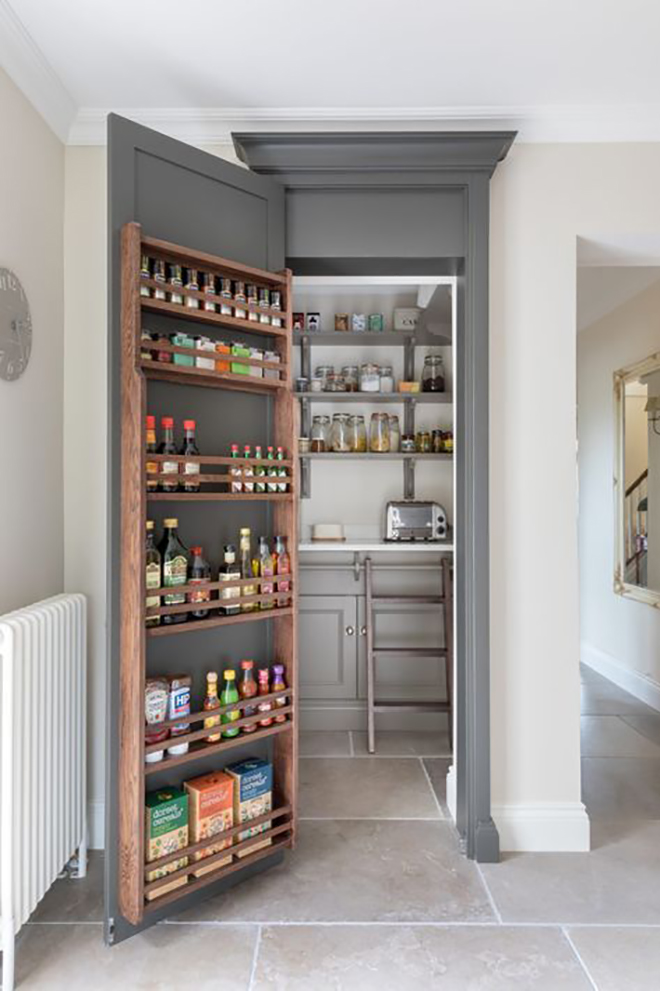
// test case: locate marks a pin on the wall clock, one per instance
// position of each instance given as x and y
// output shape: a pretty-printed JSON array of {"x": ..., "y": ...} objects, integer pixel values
[{"x": 15, "y": 327}]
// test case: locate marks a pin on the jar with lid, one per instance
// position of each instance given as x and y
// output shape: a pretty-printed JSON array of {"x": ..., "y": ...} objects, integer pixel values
[
  {"x": 322, "y": 372},
  {"x": 320, "y": 435},
  {"x": 351, "y": 377},
  {"x": 423, "y": 443},
  {"x": 408, "y": 444},
  {"x": 386, "y": 378},
  {"x": 340, "y": 435},
  {"x": 395, "y": 434},
  {"x": 357, "y": 433},
  {"x": 369, "y": 378},
  {"x": 380, "y": 433},
  {"x": 433, "y": 374},
  {"x": 332, "y": 382}
]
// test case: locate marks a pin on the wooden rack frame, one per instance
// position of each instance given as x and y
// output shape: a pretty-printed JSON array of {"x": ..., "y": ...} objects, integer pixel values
[{"x": 136, "y": 371}]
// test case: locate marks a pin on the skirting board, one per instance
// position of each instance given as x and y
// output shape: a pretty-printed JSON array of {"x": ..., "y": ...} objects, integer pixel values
[
  {"x": 544, "y": 827},
  {"x": 633, "y": 682},
  {"x": 96, "y": 824},
  {"x": 451, "y": 790},
  {"x": 335, "y": 716}
]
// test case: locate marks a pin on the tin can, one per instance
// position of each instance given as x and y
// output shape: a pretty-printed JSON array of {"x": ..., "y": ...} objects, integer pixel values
[
  {"x": 341, "y": 321},
  {"x": 359, "y": 322},
  {"x": 376, "y": 322},
  {"x": 298, "y": 321}
]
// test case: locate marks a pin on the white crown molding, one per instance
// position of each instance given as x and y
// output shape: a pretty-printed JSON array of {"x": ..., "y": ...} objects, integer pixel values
[
  {"x": 213, "y": 126},
  {"x": 24, "y": 62}
]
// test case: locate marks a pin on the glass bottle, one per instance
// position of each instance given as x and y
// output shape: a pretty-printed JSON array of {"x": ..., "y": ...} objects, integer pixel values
[
  {"x": 229, "y": 572},
  {"x": 175, "y": 570},
  {"x": 167, "y": 446},
  {"x": 351, "y": 377},
  {"x": 380, "y": 433},
  {"x": 264, "y": 303},
  {"x": 236, "y": 473},
  {"x": 271, "y": 471},
  {"x": 200, "y": 574},
  {"x": 369, "y": 377},
  {"x": 228, "y": 696},
  {"x": 248, "y": 486},
  {"x": 247, "y": 570},
  {"x": 189, "y": 469},
  {"x": 259, "y": 471},
  {"x": 239, "y": 297},
  {"x": 318, "y": 436},
  {"x": 276, "y": 304},
  {"x": 340, "y": 438},
  {"x": 247, "y": 689},
  {"x": 208, "y": 286},
  {"x": 159, "y": 276},
  {"x": 266, "y": 570},
  {"x": 282, "y": 567},
  {"x": 395, "y": 433},
  {"x": 211, "y": 702},
  {"x": 226, "y": 293},
  {"x": 278, "y": 685},
  {"x": 253, "y": 300},
  {"x": 154, "y": 574},
  {"x": 433, "y": 374},
  {"x": 192, "y": 282},
  {"x": 357, "y": 434},
  {"x": 176, "y": 281},
  {"x": 264, "y": 689},
  {"x": 152, "y": 448},
  {"x": 386, "y": 379},
  {"x": 282, "y": 473}
]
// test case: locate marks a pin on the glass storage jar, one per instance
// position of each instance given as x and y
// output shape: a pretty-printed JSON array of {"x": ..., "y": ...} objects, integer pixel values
[
  {"x": 322, "y": 372},
  {"x": 351, "y": 377},
  {"x": 357, "y": 432},
  {"x": 386, "y": 378},
  {"x": 320, "y": 436},
  {"x": 433, "y": 374},
  {"x": 380, "y": 433},
  {"x": 369, "y": 378},
  {"x": 408, "y": 444},
  {"x": 395, "y": 434},
  {"x": 423, "y": 442},
  {"x": 341, "y": 443}
]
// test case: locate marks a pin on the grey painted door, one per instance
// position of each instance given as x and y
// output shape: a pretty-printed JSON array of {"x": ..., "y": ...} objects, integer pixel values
[
  {"x": 184, "y": 195},
  {"x": 327, "y": 646}
]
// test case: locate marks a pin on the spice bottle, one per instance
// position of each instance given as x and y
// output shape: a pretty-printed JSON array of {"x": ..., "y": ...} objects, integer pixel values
[
  {"x": 152, "y": 466},
  {"x": 226, "y": 309},
  {"x": 208, "y": 286},
  {"x": 211, "y": 702},
  {"x": 266, "y": 570},
  {"x": 200, "y": 575},
  {"x": 228, "y": 696},
  {"x": 247, "y": 689},
  {"x": 189, "y": 469},
  {"x": 154, "y": 574},
  {"x": 160, "y": 276},
  {"x": 240, "y": 297},
  {"x": 236, "y": 473},
  {"x": 145, "y": 273},
  {"x": 264, "y": 690},
  {"x": 247, "y": 569},
  {"x": 229, "y": 572},
  {"x": 175, "y": 570},
  {"x": 276, "y": 304},
  {"x": 278, "y": 685},
  {"x": 178, "y": 705},
  {"x": 169, "y": 470},
  {"x": 253, "y": 301},
  {"x": 176, "y": 281},
  {"x": 282, "y": 473},
  {"x": 271, "y": 471},
  {"x": 248, "y": 486},
  {"x": 192, "y": 282},
  {"x": 282, "y": 567},
  {"x": 259, "y": 471}
]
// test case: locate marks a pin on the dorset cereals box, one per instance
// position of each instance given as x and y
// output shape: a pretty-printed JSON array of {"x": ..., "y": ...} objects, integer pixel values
[{"x": 253, "y": 797}]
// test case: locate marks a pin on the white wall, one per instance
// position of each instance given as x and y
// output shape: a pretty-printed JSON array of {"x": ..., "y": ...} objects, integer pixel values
[
  {"x": 31, "y": 231},
  {"x": 614, "y": 630}
]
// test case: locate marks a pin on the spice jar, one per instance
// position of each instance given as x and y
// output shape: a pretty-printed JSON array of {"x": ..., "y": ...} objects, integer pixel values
[
  {"x": 438, "y": 441},
  {"x": 320, "y": 435},
  {"x": 408, "y": 444},
  {"x": 423, "y": 443},
  {"x": 340, "y": 438},
  {"x": 386, "y": 378},
  {"x": 332, "y": 382},
  {"x": 395, "y": 433},
  {"x": 357, "y": 432},
  {"x": 369, "y": 378},
  {"x": 351, "y": 377},
  {"x": 433, "y": 374},
  {"x": 380, "y": 433},
  {"x": 341, "y": 321},
  {"x": 322, "y": 372}
]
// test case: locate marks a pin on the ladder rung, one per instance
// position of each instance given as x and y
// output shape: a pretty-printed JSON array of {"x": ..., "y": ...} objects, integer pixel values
[
  {"x": 412, "y": 651},
  {"x": 411, "y": 706},
  {"x": 421, "y": 600}
]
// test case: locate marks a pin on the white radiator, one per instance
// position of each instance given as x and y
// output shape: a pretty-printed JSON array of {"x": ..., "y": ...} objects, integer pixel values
[{"x": 43, "y": 756}]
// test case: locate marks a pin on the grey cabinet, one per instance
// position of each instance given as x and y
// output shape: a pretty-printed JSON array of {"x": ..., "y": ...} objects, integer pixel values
[{"x": 327, "y": 646}]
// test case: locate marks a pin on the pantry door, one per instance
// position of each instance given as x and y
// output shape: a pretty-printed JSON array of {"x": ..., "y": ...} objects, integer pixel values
[{"x": 180, "y": 194}]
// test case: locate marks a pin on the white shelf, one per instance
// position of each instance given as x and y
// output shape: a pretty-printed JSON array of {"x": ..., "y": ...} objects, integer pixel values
[{"x": 338, "y": 546}]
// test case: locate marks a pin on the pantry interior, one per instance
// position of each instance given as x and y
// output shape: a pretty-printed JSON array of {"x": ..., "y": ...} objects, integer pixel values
[{"x": 185, "y": 206}]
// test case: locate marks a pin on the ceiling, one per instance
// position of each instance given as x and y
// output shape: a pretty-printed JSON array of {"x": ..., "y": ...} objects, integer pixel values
[{"x": 555, "y": 69}]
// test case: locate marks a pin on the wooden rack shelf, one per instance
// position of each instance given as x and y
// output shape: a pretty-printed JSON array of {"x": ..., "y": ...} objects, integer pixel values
[
  {"x": 241, "y": 474},
  {"x": 185, "y": 375},
  {"x": 207, "y": 624},
  {"x": 208, "y": 317}
]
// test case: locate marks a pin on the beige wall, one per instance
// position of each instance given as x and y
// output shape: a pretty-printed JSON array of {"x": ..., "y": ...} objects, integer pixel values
[{"x": 31, "y": 230}]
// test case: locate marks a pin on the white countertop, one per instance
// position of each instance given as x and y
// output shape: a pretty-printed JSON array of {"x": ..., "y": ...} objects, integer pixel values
[{"x": 371, "y": 546}]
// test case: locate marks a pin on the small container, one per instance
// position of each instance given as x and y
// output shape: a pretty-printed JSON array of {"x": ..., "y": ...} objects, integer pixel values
[
  {"x": 395, "y": 433},
  {"x": 226, "y": 294},
  {"x": 222, "y": 348},
  {"x": 438, "y": 441},
  {"x": 272, "y": 373},
  {"x": 357, "y": 433},
  {"x": 205, "y": 344},
  {"x": 379, "y": 434},
  {"x": 341, "y": 321},
  {"x": 183, "y": 341},
  {"x": 239, "y": 367},
  {"x": 192, "y": 282},
  {"x": 386, "y": 379},
  {"x": 253, "y": 301},
  {"x": 264, "y": 303},
  {"x": 359, "y": 322},
  {"x": 449, "y": 442},
  {"x": 313, "y": 322},
  {"x": 304, "y": 445},
  {"x": 423, "y": 442},
  {"x": 302, "y": 384},
  {"x": 320, "y": 437},
  {"x": 376, "y": 322},
  {"x": 322, "y": 372},
  {"x": 351, "y": 377},
  {"x": 240, "y": 297},
  {"x": 316, "y": 385},
  {"x": 256, "y": 371},
  {"x": 276, "y": 304},
  {"x": 146, "y": 352},
  {"x": 433, "y": 374},
  {"x": 369, "y": 378},
  {"x": 340, "y": 434},
  {"x": 163, "y": 356},
  {"x": 208, "y": 287},
  {"x": 298, "y": 320},
  {"x": 408, "y": 444},
  {"x": 332, "y": 383}
]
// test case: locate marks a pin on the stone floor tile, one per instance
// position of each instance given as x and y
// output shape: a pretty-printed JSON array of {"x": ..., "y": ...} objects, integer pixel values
[
  {"x": 437, "y": 768},
  {"x": 75, "y": 899},
  {"x": 391, "y": 743},
  {"x": 648, "y": 724},
  {"x": 313, "y": 743},
  {"x": 621, "y": 788},
  {"x": 610, "y": 736},
  {"x": 366, "y": 786},
  {"x": 620, "y": 959}
]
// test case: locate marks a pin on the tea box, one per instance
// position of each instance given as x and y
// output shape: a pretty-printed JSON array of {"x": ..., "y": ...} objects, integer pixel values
[
  {"x": 238, "y": 368},
  {"x": 183, "y": 341},
  {"x": 211, "y": 811},
  {"x": 166, "y": 832},
  {"x": 253, "y": 797}
]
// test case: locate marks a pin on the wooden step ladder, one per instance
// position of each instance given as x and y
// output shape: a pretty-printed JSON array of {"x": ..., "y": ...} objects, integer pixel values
[{"x": 444, "y": 652}]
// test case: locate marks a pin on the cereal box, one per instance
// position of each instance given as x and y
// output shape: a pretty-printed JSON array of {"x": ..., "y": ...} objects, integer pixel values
[
  {"x": 166, "y": 831},
  {"x": 253, "y": 796},
  {"x": 211, "y": 803}
]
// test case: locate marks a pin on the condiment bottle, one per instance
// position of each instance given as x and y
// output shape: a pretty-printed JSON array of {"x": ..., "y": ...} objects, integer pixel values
[
  {"x": 282, "y": 567},
  {"x": 156, "y": 695},
  {"x": 154, "y": 574},
  {"x": 175, "y": 570},
  {"x": 189, "y": 469},
  {"x": 211, "y": 702},
  {"x": 248, "y": 486},
  {"x": 271, "y": 471},
  {"x": 247, "y": 569},
  {"x": 200, "y": 575},
  {"x": 145, "y": 273},
  {"x": 167, "y": 446},
  {"x": 229, "y": 572},
  {"x": 152, "y": 448},
  {"x": 192, "y": 283},
  {"x": 282, "y": 472},
  {"x": 208, "y": 285},
  {"x": 236, "y": 473},
  {"x": 278, "y": 685},
  {"x": 228, "y": 696},
  {"x": 266, "y": 570},
  {"x": 247, "y": 689},
  {"x": 178, "y": 705},
  {"x": 259, "y": 471},
  {"x": 176, "y": 280},
  {"x": 159, "y": 276},
  {"x": 264, "y": 690}
]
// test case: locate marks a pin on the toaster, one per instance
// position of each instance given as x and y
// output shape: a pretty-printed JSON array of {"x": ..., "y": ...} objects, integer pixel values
[{"x": 415, "y": 521}]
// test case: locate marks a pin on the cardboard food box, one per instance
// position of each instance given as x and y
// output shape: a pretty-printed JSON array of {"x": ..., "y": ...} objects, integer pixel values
[
  {"x": 253, "y": 797},
  {"x": 211, "y": 805},
  {"x": 166, "y": 832},
  {"x": 239, "y": 367}
]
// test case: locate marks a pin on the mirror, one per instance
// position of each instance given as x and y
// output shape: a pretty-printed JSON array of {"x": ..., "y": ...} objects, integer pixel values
[{"x": 637, "y": 481}]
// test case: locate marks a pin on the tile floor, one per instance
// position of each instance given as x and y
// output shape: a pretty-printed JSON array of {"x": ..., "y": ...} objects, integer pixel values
[{"x": 377, "y": 896}]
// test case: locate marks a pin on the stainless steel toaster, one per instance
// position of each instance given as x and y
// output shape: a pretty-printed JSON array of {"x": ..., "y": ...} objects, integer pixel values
[{"x": 411, "y": 520}]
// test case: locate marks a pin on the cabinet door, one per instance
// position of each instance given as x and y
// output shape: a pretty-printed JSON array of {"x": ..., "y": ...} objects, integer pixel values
[{"x": 327, "y": 646}]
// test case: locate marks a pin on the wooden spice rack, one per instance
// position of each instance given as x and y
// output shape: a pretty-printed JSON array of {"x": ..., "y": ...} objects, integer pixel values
[{"x": 138, "y": 369}]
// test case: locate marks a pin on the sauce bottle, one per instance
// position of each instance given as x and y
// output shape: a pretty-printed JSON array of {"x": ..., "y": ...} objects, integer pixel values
[
  {"x": 264, "y": 690},
  {"x": 247, "y": 569},
  {"x": 248, "y": 689},
  {"x": 154, "y": 574},
  {"x": 229, "y": 572},
  {"x": 278, "y": 686},
  {"x": 175, "y": 570},
  {"x": 282, "y": 567},
  {"x": 189, "y": 469},
  {"x": 266, "y": 570},
  {"x": 167, "y": 446},
  {"x": 200, "y": 574},
  {"x": 212, "y": 702},
  {"x": 228, "y": 696},
  {"x": 152, "y": 447}
]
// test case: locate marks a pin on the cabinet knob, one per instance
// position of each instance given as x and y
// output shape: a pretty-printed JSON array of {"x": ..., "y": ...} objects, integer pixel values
[
  {"x": 350, "y": 631},
  {"x": 363, "y": 631}
]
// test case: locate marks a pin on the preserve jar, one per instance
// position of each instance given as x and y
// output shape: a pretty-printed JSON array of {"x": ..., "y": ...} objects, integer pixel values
[
  {"x": 351, "y": 377},
  {"x": 357, "y": 432},
  {"x": 423, "y": 443},
  {"x": 433, "y": 374},
  {"x": 322, "y": 372},
  {"x": 340, "y": 437},
  {"x": 380, "y": 433},
  {"x": 386, "y": 378},
  {"x": 369, "y": 378},
  {"x": 395, "y": 434},
  {"x": 320, "y": 435},
  {"x": 408, "y": 444}
]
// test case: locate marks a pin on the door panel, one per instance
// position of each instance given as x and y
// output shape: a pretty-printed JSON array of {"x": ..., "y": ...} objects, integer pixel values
[{"x": 327, "y": 651}]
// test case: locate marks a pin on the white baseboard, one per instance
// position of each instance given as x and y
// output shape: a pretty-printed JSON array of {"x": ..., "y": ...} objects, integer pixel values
[
  {"x": 96, "y": 824},
  {"x": 640, "y": 685},
  {"x": 451, "y": 790},
  {"x": 544, "y": 827}
]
